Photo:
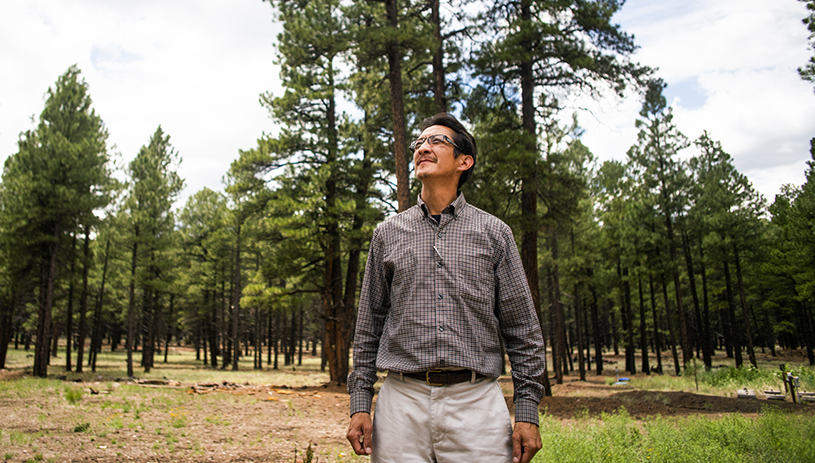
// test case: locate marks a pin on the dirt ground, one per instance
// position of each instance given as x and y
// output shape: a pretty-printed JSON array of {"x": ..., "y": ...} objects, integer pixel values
[{"x": 242, "y": 423}]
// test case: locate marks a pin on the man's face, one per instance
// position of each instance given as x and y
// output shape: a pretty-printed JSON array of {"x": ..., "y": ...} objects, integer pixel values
[{"x": 438, "y": 161}]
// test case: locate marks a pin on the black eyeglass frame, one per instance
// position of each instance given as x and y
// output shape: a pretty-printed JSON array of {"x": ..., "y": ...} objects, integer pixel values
[{"x": 439, "y": 136}]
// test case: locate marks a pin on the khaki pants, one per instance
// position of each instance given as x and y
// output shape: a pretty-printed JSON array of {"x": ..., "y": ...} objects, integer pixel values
[{"x": 465, "y": 422}]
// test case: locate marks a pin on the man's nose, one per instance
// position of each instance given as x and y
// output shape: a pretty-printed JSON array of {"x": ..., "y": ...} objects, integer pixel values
[{"x": 424, "y": 147}]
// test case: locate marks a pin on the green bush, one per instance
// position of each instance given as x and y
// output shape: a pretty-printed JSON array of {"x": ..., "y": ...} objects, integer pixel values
[
  {"x": 73, "y": 395},
  {"x": 82, "y": 427}
]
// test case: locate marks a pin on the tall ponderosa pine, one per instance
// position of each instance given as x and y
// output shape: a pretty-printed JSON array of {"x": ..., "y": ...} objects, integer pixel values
[
  {"x": 654, "y": 155},
  {"x": 551, "y": 48},
  {"x": 314, "y": 157},
  {"x": 154, "y": 186},
  {"x": 59, "y": 176}
]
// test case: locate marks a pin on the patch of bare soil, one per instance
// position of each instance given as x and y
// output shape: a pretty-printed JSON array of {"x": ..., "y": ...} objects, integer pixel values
[{"x": 242, "y": 423}]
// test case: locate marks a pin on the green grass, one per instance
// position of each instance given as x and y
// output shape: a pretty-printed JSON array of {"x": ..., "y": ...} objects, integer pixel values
[
  {"x": 73, "y": 394},
  {"x": 618, "y": 438}
]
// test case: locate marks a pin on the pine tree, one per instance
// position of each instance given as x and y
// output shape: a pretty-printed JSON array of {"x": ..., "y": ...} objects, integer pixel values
[
  {"x": 59, "y": 175},
  {"x": 154, "y": 185},
  {"x": 655, "y": 155}
]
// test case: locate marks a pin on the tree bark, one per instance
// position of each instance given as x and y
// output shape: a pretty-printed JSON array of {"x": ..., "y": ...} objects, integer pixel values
[
  {"x": 643, "y": 329},
  {"x": 131, "y": 306},
  {"x": 701, "y": 329},
  {"x": 96, "y": 336},
  {"x": 83, "y": 300},
  {"x": 731, "y": 315},
  {"x": 439, "y": 96},
  {"x": 69, "y": 316},
  {"x": 669, "y": 318},
  {"x": 400, "y": 144},
  {"x": 708, "y": 339},
  {"x": 46, "y": 303},
  {"x": 595, "y": 327},
  {"x": 655, "y": 315},
  {"x": 751, "y": 354},
  {"x": 236, "y": 302}
]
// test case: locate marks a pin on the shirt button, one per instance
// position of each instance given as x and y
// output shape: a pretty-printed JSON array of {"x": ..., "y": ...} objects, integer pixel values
[
  {"x": 440, "y": 296},
  {"x": 439, "y": 235},
  {"x": 438, "y": 263},
  {"x": 441, "y": 328}
]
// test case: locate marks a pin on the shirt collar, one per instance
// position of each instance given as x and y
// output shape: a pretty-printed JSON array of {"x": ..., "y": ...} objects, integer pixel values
[{"x": 455, "y": 208}]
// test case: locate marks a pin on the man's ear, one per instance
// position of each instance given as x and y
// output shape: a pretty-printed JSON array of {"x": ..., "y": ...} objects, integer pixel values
[{"x": 465, "y": 161}]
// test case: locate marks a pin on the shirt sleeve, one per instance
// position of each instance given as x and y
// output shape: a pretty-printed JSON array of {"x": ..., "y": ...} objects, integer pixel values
[
  {"x": 374, "y": 303},
  {"x": 520, "y": 329}
]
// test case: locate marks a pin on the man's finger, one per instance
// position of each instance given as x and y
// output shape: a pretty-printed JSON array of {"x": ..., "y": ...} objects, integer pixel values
[
  {"x": 525, "y": 442},
  {"x": 367, "y": 441},
  {"x": 359, "y": 433},
  {"x": 517, "y": 448}
]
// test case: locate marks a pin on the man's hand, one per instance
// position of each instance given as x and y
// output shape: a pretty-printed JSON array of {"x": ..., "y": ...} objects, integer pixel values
[
  {"x": 360, "y": 430},
  {"x": 526, "y": 441}
]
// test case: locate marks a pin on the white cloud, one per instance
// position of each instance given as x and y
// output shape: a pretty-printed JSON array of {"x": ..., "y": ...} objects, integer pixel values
[
  {"x": 195, "y": 68},
  {"x": 733, "y": 63}
]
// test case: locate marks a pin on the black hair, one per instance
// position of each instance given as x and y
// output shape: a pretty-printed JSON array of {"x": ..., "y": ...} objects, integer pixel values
[{"x": 461, "y": 137}]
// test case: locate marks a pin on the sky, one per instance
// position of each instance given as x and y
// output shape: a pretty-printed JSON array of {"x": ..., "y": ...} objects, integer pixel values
[{"x": 198, "y": 67}]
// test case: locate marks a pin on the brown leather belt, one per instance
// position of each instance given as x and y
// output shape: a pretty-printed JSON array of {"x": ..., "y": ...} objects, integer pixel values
[{"x": 444, "y": 377}]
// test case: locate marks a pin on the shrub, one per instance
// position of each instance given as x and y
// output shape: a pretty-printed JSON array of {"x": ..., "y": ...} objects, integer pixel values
[{"x": 73, "y": 395}]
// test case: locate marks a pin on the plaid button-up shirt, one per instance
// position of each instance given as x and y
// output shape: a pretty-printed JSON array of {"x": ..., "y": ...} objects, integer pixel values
[{"x": 440, "y": 295}]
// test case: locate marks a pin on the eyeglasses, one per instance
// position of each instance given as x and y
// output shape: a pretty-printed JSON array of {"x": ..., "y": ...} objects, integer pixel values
[{"x": 433, "y": 140}]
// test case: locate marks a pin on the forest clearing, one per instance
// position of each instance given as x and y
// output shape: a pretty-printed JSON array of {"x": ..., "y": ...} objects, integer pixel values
[
  {"x": 665, "y": 284},
  {"x": 182, "y": 412}
]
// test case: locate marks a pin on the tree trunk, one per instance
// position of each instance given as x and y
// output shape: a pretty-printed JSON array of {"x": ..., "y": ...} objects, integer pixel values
[
  {"x": 258, "y": 352},
  {"x": 529, "y": 182},
  {"x": 669, "y": 318},
  {"x": 439, "y": 96},
  {"x": 131, "y": 306},
  {"x": 708, "y": 339},
  {"x": 236, "y": 302},
  {"x": 700, "y": 328},
  {"x": 614, "y": 336},
  {"x": 168, "y": 326},
  {"x": 7, "y": 328},
  {"x": 628, "y": 322},
  {"x": 83, "y": 300},
  {"x": 292, "y": 339},
  {"x": 300, "y": 339},
  {"x": 400, "y": 144},
  {"x": 680, "y": 306},
  {"x": 46, "y": 303},
  {"x": 578, "y": 316},
  {"x": 731, "y": 315},
  {"x": 69, "y": 316},
  {"x": 595, "y": 328},
  {"x": 148, "y": 336},
  {"x": 655, "y": 315},
  {"x": 558, "y": 325},
  {"x": 643, "y": 329},
  {"x": 96, "y": 336},
  {"x": 748, "y": 331},
  {"x": 276, "y": 340}
]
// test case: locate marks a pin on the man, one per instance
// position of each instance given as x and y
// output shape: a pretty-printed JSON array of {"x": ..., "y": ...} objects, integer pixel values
[{"x": 443, "y": 284}]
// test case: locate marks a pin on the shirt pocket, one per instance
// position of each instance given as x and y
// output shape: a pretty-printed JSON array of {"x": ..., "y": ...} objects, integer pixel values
[{"x": 476, "y": 281}]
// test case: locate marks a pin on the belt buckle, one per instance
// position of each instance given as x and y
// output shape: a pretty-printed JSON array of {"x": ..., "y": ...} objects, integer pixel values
[{"x": 427, "y": 378}]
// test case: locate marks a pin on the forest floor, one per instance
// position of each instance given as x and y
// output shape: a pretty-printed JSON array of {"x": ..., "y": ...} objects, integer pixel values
[{"x": 84, "y": 418}]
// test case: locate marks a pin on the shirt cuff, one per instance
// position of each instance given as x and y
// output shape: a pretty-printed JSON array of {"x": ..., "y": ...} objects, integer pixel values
[
  {"x": 361, "y": 402},
  {"x": 526, "y": 411}
]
